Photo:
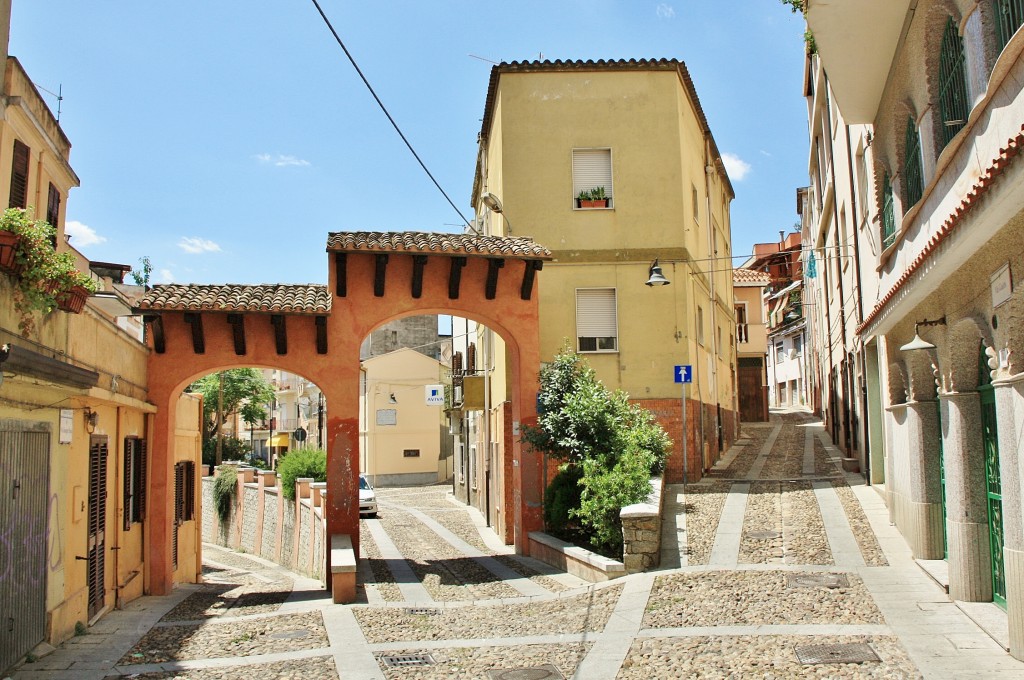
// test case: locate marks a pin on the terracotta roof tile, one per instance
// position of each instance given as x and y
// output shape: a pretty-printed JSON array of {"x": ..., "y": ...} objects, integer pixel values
[
  {"x": 435, "y": 243},
  {"x": 750, "y": 277},
  {"x": 267, "y": 298}
]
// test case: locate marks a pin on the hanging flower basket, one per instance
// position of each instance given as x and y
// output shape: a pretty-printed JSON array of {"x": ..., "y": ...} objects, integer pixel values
[
  {"x": 73, "y": 299},
  {"x": 8, "y": 245}
]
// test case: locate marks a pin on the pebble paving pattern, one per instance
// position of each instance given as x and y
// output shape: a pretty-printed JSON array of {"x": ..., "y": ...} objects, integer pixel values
[
  {"x": 383, "y": 580},
  {"x": 237, "y": 638},
  {"x": 316, "y": 668},
  {"x": 473, "y": 663},
  {"x": 722, "y": 598},
  {"x": 866, "y": 539},
  {"x": 588, "y": 612},
  {"x": 704, "y": 502},
  {"x": 770, "y": 656}
]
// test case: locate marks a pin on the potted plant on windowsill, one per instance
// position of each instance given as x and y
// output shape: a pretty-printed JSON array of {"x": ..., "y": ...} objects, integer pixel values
[
  {"x": 44, "y": 278},
  {"x": 595, "y": 198}
]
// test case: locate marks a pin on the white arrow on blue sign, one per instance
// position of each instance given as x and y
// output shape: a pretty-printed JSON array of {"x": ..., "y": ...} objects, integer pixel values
[{"x": 684, "y": 374}]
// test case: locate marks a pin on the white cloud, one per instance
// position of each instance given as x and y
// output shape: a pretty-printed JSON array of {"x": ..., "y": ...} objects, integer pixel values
[
  {"x": 281, "y": 160},
  {"x": 82, "y": 234},
  {"x": 765, "y": 153},
  {"x": 197, "y": 245},
  {"x": 164, "y": 276},
  {"x": 665, "y": 11},
  {"x": 735, "y": 166}
]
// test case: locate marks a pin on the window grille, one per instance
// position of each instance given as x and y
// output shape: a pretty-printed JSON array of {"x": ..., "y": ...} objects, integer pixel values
[
  {"x": 952, "y": 83},
  {"x": 888, "y": 214},
  {"x": 1009, "y": 17},
  {"x": 912, "y": 175}
]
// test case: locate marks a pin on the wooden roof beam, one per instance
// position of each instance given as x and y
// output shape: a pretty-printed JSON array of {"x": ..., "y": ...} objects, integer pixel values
[
  {"x": 196, "y": 322},
  {"x": 237, "y": 322}
]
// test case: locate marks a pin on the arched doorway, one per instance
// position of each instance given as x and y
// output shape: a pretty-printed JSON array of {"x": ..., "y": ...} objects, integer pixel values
[{"x": 316, "y": 330}]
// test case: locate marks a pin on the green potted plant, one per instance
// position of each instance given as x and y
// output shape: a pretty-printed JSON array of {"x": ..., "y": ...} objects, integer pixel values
[
  {"x": 44, "y": 279},
  {"x": 595, "y": 198}
]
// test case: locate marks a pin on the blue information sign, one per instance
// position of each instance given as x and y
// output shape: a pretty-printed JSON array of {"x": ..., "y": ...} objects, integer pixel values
[{"x": 684, "y": 374}]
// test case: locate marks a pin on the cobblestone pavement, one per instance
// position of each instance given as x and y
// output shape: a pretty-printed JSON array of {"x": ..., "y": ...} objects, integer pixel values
[{"x": 783, "y": 567}]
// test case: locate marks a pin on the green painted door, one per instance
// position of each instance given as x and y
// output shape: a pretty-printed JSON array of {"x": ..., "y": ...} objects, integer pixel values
[
  {"x": 993, "y": 483},
  {"x": 942, "y": 487}
]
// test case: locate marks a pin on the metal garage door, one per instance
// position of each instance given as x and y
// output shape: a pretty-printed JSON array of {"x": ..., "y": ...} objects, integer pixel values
[{"x": 24, "y": 487}]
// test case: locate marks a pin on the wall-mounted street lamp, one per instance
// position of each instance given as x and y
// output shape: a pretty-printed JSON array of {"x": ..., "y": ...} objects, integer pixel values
[
  {"x": 655, "y": 277},
  {"x": 917, "y": 342}
]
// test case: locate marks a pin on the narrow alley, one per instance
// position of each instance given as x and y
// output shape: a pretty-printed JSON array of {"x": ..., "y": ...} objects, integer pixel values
[{"x": 776, "y": 564}]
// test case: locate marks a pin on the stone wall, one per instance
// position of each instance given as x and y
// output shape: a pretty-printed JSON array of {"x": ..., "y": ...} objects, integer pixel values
[
  {"x": 262, "y": 521},
  {"x": 641, "y": 530}
]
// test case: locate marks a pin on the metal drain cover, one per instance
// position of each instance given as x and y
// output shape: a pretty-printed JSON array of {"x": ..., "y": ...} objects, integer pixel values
[
  {"x": 289, "y": 634},
  {"x": 853, "y": 652},
  {"x": 545, "y": 672},
  {"x": 406, "y": 660},
  {"x": 763, "y": 535},
  {"x": 422, "y": 611},
  {"x": 817, "y": 581}
]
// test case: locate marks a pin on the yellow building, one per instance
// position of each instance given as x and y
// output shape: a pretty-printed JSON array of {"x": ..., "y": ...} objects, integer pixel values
[
  {"x": 751, "y": 344},
  {"x": 74, "y": 421},
  {"x": 402, "y": 429},
  {"x": 612, "y": 166}
]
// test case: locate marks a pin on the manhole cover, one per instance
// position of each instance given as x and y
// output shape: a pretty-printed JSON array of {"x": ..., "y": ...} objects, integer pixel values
[
  {"x": 545, "y": 672},
  {"x": 289, "y": 634},
  {"x": 404, "y": 660},
  {"x": 762, "y": 535},
  {"x": 854, "y": 652},
  {"x": 817, "y": 581},
  {"x": 422, "y": 611}
]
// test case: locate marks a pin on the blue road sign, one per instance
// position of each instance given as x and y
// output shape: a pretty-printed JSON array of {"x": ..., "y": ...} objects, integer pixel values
[{"x": 684, "y": 374}]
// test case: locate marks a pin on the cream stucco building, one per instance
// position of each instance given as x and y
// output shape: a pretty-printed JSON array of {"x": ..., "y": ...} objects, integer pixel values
[{"x": 612, "y": 165}]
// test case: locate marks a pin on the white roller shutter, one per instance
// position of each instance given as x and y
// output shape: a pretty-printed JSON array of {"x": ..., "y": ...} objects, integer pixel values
[
  {"x": 596, "y": 316},
  {"x": 591, "y": 168}
]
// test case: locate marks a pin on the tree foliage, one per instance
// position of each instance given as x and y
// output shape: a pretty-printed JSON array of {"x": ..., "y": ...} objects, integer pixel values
[
  {"x": 301, "y": 463},
  {"x": 615, "y": 446},
  {"x": 245, "y": 391}
]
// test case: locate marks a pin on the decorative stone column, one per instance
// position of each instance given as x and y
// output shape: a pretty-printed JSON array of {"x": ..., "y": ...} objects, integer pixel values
[
  {"x": 923, "y": 508},
  {"x": 970, "y": 564},
  {"x": 1009, "y": 393}
]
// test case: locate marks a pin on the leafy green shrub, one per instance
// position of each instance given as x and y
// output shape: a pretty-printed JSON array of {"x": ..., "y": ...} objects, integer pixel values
[
  {"x": 301, "y": 463},
  {"x": 232, "y": 449},
  {"x": 224, "y": 487},
  {"x": 561, "y": 498},
  {"x": 615, "y": 446}
]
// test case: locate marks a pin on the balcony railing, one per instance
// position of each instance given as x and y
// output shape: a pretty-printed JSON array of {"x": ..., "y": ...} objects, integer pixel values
[{"x": 742, "y": 333}]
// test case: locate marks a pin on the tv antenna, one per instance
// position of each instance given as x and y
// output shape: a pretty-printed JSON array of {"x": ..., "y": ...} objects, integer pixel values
[{"x": 58, "y": 94}]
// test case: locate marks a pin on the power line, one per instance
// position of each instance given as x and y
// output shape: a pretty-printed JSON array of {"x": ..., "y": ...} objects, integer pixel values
[{"x": 386, "y": 113}]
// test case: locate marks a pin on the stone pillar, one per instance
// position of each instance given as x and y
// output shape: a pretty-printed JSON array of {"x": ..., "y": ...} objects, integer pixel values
[
  {"x": 970, "y": 577},
  {"x": 302, "y": 488},
  {"x": 1009, "y": 395},
  {"x": 923, "y": 518}
]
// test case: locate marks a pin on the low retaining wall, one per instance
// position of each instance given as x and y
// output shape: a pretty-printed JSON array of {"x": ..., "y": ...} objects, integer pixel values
[
  {"x": 641, "y": 534},
  {"x": 265, "y": 523},
  {"x": 641, "y": 530}
]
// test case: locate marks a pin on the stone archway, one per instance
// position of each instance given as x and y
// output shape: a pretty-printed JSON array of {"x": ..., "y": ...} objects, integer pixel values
[{"x": 316, "y": 331}]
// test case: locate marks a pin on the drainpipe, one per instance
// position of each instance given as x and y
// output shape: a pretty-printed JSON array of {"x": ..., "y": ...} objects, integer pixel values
[{"x": 119, "y": 496}]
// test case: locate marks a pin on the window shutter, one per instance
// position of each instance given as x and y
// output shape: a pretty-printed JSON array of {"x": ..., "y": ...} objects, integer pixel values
[
  {"x": 128, "y": 482},
  {"x": 19, "y": 176},
  {"x": 190, "y": 491},
  {"x": 140, "y": 485},
  {"x": 179, "y": 494},
  {"x": 595, "y": 313},
  {"x": 591, "y": 168},
  {"x": 952, "y": 83}
]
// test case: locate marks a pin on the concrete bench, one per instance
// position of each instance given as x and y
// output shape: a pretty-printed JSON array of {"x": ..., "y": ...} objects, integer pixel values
[{"x": 343, "y": 569}]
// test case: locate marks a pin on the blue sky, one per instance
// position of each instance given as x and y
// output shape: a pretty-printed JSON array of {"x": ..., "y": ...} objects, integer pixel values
[{"x": 225, "y": 138}]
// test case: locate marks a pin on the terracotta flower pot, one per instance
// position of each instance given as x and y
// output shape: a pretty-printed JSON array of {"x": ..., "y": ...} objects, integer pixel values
[
  {"x": 8, "y": 245},
  {"x": 73, "y": 300},
  {"x": 593, "y": 202}
]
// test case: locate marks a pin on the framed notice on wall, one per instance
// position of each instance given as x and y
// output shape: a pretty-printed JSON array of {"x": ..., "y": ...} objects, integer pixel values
[
  {"x": 67, "y": 425},
  {"x": 387, "y": 416}
]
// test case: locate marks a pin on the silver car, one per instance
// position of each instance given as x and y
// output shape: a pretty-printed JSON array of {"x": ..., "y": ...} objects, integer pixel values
[{"x": 367, "y": 499}]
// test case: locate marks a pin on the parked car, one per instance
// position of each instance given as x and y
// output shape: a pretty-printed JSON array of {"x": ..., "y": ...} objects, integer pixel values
[{"x": 367, "y": 498}]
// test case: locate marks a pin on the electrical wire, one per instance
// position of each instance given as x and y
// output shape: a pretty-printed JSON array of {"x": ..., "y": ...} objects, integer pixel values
[{"x": 386, "y": 113}]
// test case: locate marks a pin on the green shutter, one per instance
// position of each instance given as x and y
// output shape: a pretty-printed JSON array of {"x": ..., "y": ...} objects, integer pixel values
[
  {"x": 888, "y": 216},
  {"x": 1009, "y": 17},
  {"x": 912, "y": 176},
  {"x": 952, "y": 83}
]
